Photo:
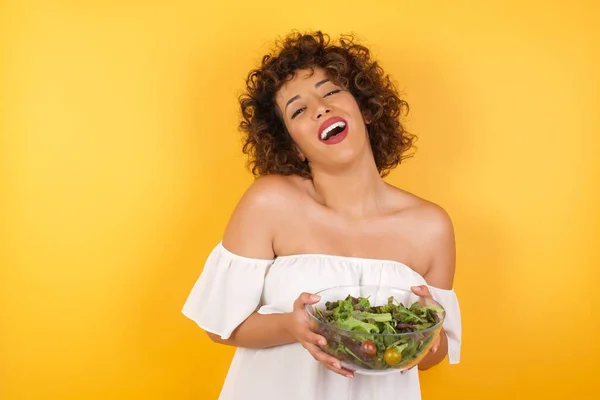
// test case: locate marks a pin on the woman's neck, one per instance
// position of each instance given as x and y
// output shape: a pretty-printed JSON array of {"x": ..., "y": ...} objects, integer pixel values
[{"x": 356, "y": 191}]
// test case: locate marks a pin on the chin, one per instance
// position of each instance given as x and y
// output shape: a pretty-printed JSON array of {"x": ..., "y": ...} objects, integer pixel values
[{"x": 347, "y": 157}]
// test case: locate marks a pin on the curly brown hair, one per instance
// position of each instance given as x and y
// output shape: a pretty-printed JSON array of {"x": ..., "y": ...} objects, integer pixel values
[{"x": 268, "y": 145}]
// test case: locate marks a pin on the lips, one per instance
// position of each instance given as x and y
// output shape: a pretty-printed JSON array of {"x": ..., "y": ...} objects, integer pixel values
[{"x": 332, "y": 131}]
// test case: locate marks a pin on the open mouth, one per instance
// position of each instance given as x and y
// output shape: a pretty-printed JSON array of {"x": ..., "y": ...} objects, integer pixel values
[{"x": 333, "y": 130}]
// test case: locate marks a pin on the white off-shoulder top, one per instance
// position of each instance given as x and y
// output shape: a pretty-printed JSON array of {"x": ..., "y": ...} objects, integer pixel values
[{"x": 231, "y": 287}]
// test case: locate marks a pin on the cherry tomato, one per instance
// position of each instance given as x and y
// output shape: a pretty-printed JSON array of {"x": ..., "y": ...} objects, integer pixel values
[
  {"x": 369, "y": 348},
  {"x": 392, "y": 356}
]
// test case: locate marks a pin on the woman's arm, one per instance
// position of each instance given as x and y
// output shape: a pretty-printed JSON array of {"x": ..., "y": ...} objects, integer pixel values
[
  {"x": 250, "y": 233},
  {"x": 441, "y": 248},
  {"x": 259, "y": 331}
]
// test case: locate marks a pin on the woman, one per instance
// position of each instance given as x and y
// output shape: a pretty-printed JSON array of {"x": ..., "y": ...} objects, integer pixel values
[{"x": 322, "y": 130}]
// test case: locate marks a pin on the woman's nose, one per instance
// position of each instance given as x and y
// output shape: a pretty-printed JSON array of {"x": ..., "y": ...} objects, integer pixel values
[{"x": 321, "y": 110}]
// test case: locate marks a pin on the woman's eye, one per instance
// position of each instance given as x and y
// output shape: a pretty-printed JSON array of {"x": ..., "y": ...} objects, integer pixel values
[
  {"x": 332, "y": 92},
  {"x": 295, "y": 114}
]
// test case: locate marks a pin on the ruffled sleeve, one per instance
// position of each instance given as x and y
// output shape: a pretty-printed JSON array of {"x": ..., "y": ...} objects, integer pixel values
[
  {"x": 453, "y": 323},
  {"x": 228, "y": 291}
]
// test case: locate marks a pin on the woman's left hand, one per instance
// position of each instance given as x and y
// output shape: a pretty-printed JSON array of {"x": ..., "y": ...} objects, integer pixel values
[{"x": 423, "y": 291}]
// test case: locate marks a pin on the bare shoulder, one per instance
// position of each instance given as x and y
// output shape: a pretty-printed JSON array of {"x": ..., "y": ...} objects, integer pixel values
[
  {"x": 434, "y": 221},
  {"x": 252, "y": 224},
  {"x": 428, "y": 213},
  {"x": 269, "y": 190},
  {"x": 432, "y": 230}
]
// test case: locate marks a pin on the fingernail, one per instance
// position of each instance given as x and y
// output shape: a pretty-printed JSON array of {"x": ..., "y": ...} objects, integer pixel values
[
  {"x": 336, "y": 365},
  {"x": 350, "y": 376},
  {"x": 315, "y": 297},
  {"x": 322, "y": 342}
]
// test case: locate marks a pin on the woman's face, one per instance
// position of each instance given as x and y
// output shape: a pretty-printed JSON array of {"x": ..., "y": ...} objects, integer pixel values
[{"x": 323, "y": 119}]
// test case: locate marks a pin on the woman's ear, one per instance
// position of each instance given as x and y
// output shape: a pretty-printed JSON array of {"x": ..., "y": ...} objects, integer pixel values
[
  {"x": 301, "y": 155},
  {"x": 367, "y": 117}
]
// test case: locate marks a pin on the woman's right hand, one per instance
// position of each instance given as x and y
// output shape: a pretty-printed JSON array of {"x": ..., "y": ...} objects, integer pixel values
[{"x": 299, "y": 327}]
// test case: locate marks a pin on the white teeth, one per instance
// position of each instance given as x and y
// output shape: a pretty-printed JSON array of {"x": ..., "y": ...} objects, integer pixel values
[{"x": 331, "y": 127}]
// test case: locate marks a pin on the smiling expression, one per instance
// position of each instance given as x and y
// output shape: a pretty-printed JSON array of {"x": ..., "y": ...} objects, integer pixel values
[{"x": 323, "y": 118}]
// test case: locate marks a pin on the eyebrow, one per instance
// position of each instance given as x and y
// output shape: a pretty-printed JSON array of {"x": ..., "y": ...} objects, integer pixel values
[
  {"x": 321, "y": 82},
  {"x": 296, "y": 97}
]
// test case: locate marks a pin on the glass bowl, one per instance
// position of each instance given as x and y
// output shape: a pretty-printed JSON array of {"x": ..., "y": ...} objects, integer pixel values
[{"x": 376, "y": 330}]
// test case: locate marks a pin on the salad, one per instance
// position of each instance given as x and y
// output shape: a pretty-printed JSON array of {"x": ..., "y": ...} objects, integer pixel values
[{"x": 378, "y": 337}]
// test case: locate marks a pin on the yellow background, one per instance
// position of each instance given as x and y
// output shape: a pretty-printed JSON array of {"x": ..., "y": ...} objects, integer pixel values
[{"x": 121, "y": 164}]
